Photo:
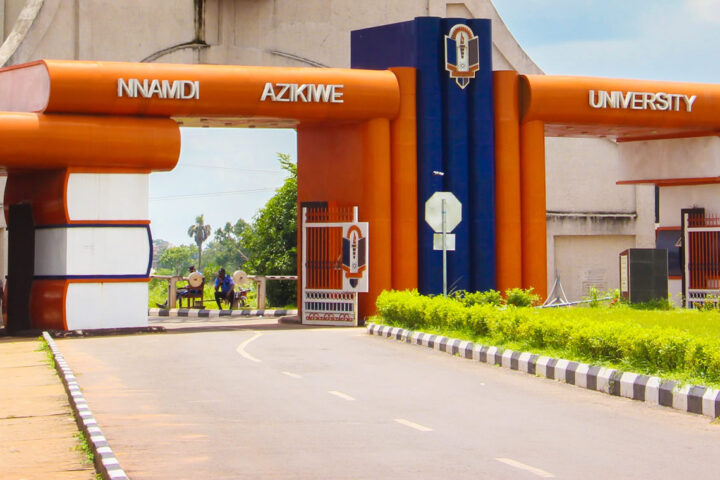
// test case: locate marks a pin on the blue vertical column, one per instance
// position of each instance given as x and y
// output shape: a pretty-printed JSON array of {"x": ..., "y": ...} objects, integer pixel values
[
  {"x": 431, "y": 120},
  {"x": 455, "y": 136},
  {"x": 456, "y": 168},
  {"x": 481, "y": 178}
]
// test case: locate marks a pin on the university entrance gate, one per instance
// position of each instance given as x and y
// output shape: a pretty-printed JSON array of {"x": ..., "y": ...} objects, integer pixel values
[
  {"x": 421, "y": 111},
  {"x": 80, "y": 139}
]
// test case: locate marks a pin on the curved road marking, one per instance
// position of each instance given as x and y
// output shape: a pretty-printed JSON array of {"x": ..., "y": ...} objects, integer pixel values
[
  {"x": 292, "y": 375},
  {"x": 528, "y": 468},
  {"x": 243, "y": 353},
  {"x": 344, "y": 396},
  {"x": 414, "y": 425}
]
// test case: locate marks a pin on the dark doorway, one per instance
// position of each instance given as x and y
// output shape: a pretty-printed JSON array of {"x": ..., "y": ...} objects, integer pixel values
[{"x": 21, "y": 266}]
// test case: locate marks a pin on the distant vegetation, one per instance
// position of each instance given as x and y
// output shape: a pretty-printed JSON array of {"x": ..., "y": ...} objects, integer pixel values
[{"x": 267, "y": 246}]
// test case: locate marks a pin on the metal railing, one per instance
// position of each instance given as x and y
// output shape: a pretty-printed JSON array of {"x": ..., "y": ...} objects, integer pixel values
[{"x": 260, "y": 286}]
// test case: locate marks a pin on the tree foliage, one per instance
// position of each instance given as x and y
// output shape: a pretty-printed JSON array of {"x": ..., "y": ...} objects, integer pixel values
[
  {"x": 177, "y": 259},
  {"x": 268, "y": 246},
  {"x": 228, "y": 245},
  {"x": 159, "y": 246},
  {"x": 272, "y": 240},
  {"x": 199, "y": 232}
]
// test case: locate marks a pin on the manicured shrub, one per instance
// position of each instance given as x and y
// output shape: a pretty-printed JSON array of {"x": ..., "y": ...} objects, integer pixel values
[
  {"x": 654, "y": 304},
  {"x": 585, "y": 333},
  {"x": 476, "y": 322},
  {"x": 468, "y": 299},
  {"x": 520, "y": 297},
  {"x": 404, "y": 308}
]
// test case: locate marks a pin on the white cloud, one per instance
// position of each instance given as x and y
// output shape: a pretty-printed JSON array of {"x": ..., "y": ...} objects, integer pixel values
[{"x": 706, "y": 10}]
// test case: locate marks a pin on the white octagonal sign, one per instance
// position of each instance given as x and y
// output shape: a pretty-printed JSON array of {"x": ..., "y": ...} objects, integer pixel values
[{"x": 433, "y": 211}]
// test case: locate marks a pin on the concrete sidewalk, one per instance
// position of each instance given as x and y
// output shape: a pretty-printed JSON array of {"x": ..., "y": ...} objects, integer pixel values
[{"x": 37, "y": 428}]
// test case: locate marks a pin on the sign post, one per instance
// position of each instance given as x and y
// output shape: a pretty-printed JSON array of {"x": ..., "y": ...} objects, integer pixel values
[{"x": 443, "y": 212}]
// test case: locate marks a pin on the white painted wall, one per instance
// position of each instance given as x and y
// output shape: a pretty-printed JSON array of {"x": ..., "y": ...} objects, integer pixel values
[
  {"x": 670, "y": 159},
  {"x": 585, "y": 206},
  {"x": 106, "y": 305},
  {"x": 104, "y": 29},
  {"x": 92, "y": 251},
  {"x": 108, "y": 196},
  {"x": 581, "y": 175},
  {"x": 51, "y": 251},
  {"x": 675, "y": 292},
  {"x": 673, "y": 199},
  {"x": 584, "y": 261},
  {"x": 244, "y": 32},
  {"x": 11, "y": 10}
]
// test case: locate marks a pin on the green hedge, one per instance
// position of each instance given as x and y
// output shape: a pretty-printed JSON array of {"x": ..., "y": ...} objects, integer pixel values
[{"x": 652, "y": 349}]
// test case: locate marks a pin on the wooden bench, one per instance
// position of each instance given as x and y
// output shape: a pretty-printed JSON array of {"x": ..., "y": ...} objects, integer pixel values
[{"x": 194, "y": 293}]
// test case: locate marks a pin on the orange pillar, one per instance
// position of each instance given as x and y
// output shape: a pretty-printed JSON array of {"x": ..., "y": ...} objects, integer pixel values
[
  {"x": 403, "y": 131},
  {"x": 508, "y": 228},
  {"x": 375, "y": 208},
  {"x": 330, "y": 166},
  {"x": 532, "y": 181}
]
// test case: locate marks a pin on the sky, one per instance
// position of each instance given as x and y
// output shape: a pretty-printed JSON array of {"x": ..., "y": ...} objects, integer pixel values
[
  {"x": 223, "y": 174},
  {"x": 227, "y": 174},
  {"x": 674, "y": 40}
]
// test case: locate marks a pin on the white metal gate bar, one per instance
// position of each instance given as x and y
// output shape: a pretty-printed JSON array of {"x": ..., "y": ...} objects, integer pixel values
[
  {"x": 321, "y": 303},
  {"x": 701, "y": 245}
]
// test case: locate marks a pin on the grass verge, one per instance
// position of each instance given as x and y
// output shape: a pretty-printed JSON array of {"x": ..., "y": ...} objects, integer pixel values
[
  {"x": 82, "y": 441},
  {"x": 44, "y": 347},
  {"x": 83, "y": 446},
  {"x": 676, "y": 345}
]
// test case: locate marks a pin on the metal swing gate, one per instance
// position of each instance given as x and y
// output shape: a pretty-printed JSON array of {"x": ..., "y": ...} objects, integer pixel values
[
  {"x": 701, "y": 250},
  {"x": 332, "y": 272}
]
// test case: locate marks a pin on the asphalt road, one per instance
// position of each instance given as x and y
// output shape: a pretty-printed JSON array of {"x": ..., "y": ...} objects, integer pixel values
[{"x": 340, "y": 404}]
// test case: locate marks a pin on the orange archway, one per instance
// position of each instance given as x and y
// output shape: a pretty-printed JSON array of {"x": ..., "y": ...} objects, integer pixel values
[
  {"x": 71, "y": 124},
  {"x": 530, "y": 107}
]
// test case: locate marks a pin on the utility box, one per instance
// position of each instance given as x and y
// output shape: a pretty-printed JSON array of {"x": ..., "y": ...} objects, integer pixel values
[{"x": 644, "y": 274}]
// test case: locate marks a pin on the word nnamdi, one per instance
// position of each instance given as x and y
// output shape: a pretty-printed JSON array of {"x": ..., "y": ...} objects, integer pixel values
[{"x": 176, "y": 89}]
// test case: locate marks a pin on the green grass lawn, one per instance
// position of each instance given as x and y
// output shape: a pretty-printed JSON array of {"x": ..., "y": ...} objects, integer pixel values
[
  {"x": 677, "y": 344},
  {"x": 158, "y": 292},
  {"x": 695, "y": 322}
]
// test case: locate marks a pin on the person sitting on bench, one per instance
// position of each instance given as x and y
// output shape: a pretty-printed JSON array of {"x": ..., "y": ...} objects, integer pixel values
[
  {"x": 224, "y": 289},
  {"x": 190, "y": 291}
]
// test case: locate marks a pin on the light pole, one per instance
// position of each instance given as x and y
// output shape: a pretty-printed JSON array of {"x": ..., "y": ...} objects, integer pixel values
[{"x": 444, "y": 237}]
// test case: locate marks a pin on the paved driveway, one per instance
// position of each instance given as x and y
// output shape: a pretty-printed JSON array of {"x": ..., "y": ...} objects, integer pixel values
[{"x": 339, "y": 404}]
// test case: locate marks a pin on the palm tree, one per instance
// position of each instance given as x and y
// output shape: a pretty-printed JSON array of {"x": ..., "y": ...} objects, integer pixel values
[{"x": 200, "y": 232}]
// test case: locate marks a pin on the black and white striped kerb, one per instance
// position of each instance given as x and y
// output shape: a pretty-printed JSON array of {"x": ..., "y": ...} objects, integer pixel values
[
  {"x": 653, "y": 390},
  {"x": 105, "y": 462},
  {"x": 202, "y": 313}
]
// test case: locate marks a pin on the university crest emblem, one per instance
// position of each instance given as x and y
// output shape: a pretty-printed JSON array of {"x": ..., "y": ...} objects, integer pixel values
[
  {"x": 462, "y": 54},
  {"x": 354, "y": 257}
]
